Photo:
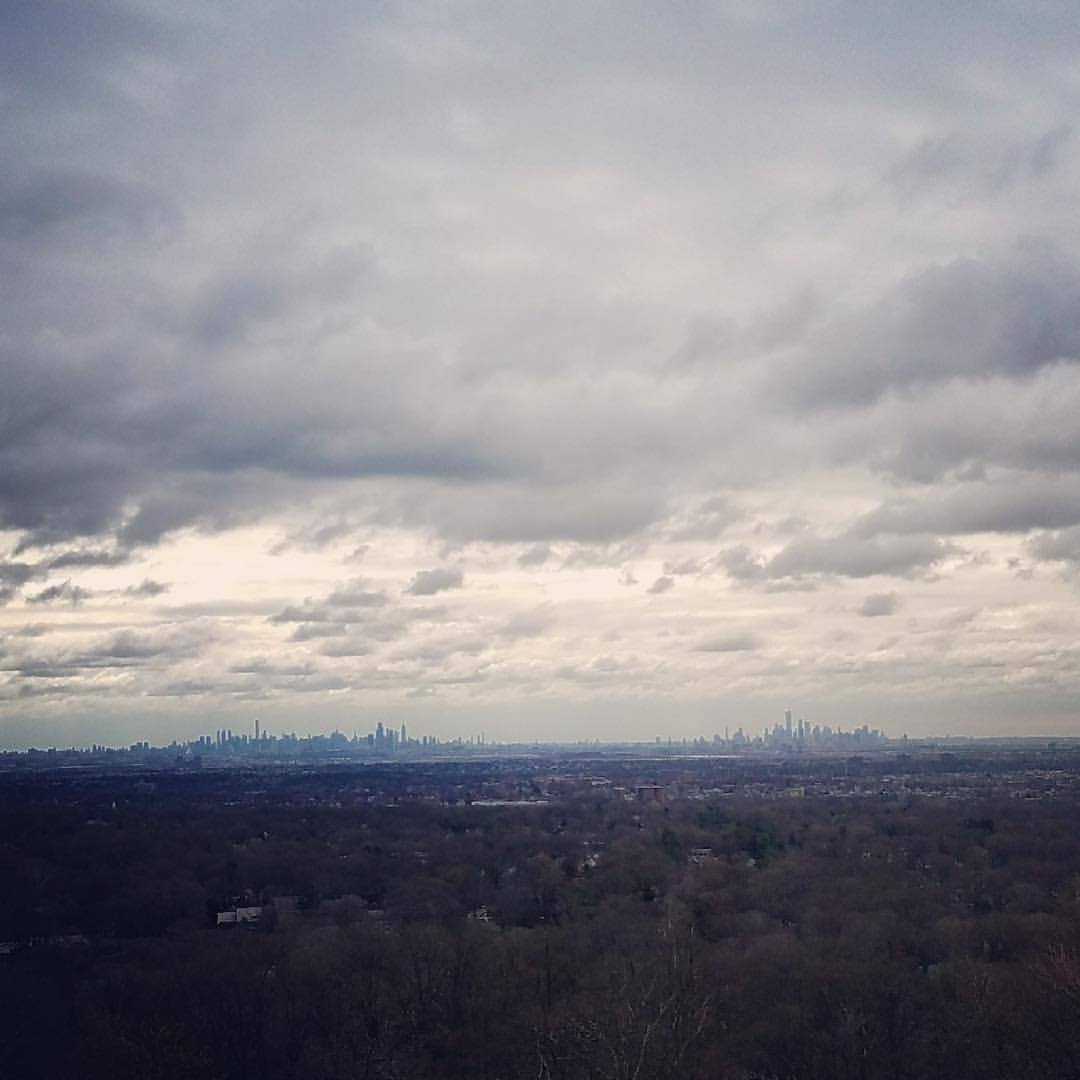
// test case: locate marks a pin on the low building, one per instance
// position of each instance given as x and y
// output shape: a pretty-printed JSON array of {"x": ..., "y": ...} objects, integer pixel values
[{"x": 237, "y": 916}]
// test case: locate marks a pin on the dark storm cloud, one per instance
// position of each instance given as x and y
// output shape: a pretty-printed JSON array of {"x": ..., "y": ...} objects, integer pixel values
[{"x": 429, "y": 582}]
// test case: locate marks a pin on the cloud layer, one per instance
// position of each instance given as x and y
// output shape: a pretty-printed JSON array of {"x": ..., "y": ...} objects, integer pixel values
[{"x": 704, "y": 332}]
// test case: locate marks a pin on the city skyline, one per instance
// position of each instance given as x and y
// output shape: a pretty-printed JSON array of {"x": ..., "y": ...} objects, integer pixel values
[{"x": 583, "y": 372}]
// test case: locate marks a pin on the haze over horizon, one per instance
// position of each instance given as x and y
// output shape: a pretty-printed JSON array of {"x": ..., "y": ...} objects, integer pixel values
[{"x": 558, "y": 371}]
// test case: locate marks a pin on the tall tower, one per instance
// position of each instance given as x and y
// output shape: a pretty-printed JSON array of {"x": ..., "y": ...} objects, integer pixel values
[{"x": 787, "y": 722}]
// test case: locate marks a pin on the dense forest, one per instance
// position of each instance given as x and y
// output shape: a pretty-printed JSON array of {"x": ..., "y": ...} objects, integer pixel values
[{"x": 588, "y": 937}]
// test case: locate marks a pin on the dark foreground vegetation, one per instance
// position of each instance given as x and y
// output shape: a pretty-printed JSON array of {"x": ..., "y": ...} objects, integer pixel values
[{"x": 588, "y": 936}]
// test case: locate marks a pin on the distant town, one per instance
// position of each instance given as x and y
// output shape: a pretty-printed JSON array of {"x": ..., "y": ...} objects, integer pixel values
[{"x": 385, "y": 742}]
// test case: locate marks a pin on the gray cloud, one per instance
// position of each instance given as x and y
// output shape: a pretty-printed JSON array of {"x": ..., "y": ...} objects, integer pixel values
[
  {"x": 310, "y": 631},
  {"x": 661, "y": 585},
  {"x": 262, "y": 666},
  {"x": 126, "y": 649},
  {"x": 64, "y": 591},
  {"x": 730, "y": 642},
  {"x": 846, "y": 555},
  {"x": 347, "y": 646},
  {"x": 1006, "y": 504},
  {"x": 527, "y": 624},
  {"x": 348, "y": 603},
  {"x": 1062, "y": 545},
  {"x": 437, "y": 651},
  {"x": 306, "y": 613},
  {"x": 147, "y": 588},
  {"x": 132, "y": 645},
  {"x": 709, "y": 520},
  {"x": 429, "y": 582},
  {"x": 83, "y": 557},
  {"x": 857, "y": 557},
  {"x": 314, "y": 536},
  {"x": 968, "y": 318},
  {"x": 535, "y": 555},
  {"x": 187, "y": 688},
  {"x": 687, "y": 566},
  {"x": 13, "y": 576},
  {"x": 135, "y": 442},
  {"x": 960, "y": 166},
  {"x": 879, "y": 604},
  {"x": 72, "y": 206},
  {"x": 355, "y": 595}
]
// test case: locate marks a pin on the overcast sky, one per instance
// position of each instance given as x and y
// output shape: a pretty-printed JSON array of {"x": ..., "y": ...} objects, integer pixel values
[{"x": 553, "y": 370}]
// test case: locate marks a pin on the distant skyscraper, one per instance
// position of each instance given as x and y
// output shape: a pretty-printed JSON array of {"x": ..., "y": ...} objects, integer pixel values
[{"x": 787, "y": 721}]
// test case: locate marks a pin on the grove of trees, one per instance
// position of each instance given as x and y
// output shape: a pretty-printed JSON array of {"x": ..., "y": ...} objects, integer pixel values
[{"x": 795, "y": 939}]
